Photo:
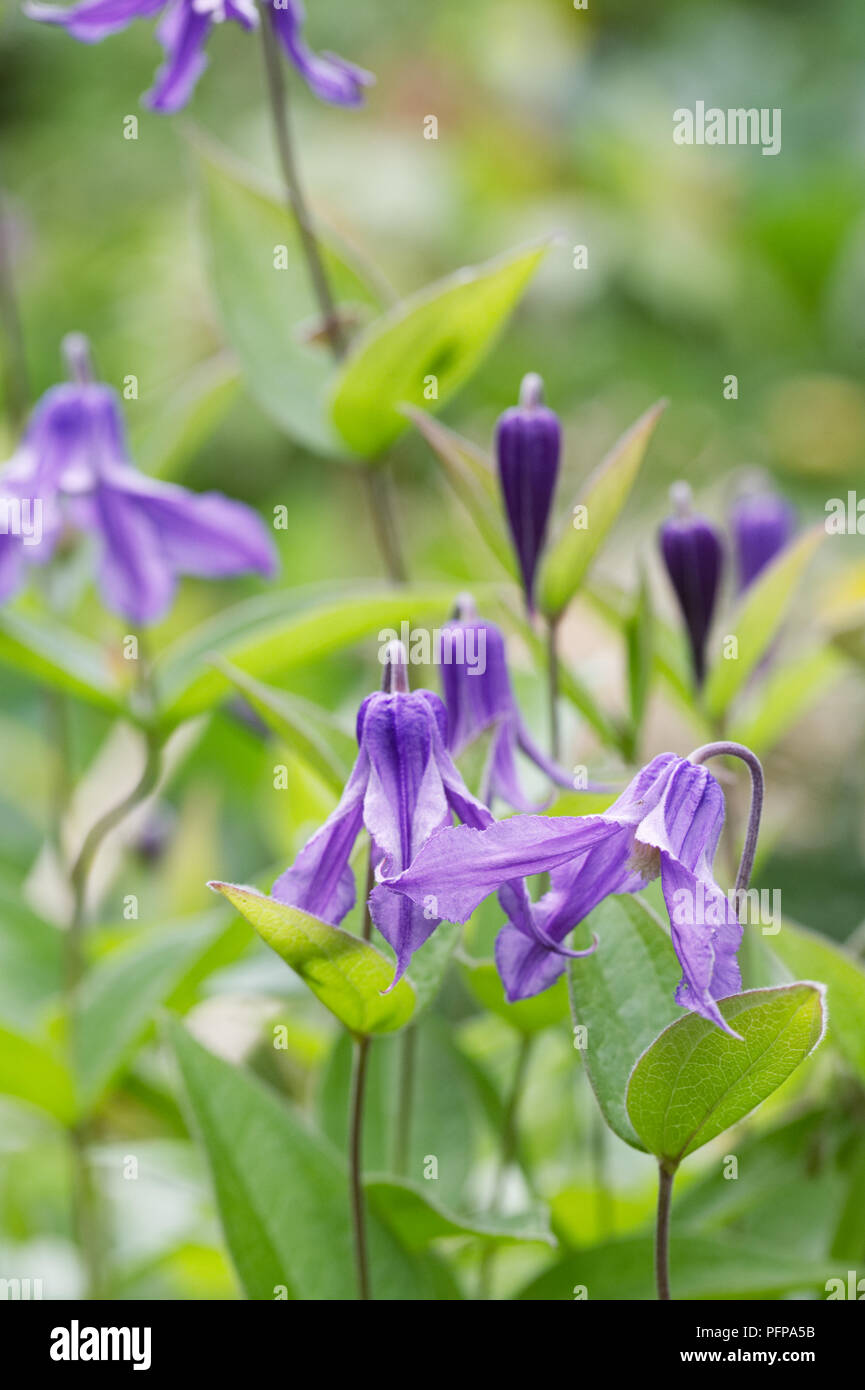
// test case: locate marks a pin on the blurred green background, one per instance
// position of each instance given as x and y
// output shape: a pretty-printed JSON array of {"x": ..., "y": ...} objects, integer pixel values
[{"x": 702, "y": 263}]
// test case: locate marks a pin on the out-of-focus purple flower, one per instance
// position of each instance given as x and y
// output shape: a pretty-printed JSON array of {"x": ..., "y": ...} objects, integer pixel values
[
  {"x": 183, "y": 31},
  {"x": 402, "y": 789},
  {"x": 694, "y": 557},
  {"x": 479, "y": 696},
  {"x": 73, "y": 463},
  {"x": 667, "y": 822},
  {"x": 528, "y": 443},
  {"x": 762, "y": 523}
]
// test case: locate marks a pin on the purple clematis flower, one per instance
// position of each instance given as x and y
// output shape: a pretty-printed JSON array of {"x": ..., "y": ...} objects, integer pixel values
[
  {"x": 528, "y": 443},
  {"x": 402, "y": 789},
  {"x": 478, "y": 697},
  {"x": 667, "y": 822},
  {"x": 762, "y": 523},
  {"x": 694, "y": 557},
  {"x": 184, "y": 30},
  {"x": 73, "y": 467}
]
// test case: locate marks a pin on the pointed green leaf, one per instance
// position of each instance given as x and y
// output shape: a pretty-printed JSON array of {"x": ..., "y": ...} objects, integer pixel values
[
  {"x": 786, "y": 694},
  {"x": 571, "y": 553},
  {"x": 262, "y": 287},
  {"x": 470, "y": 474},
  {"x": 416, "y": 1219},
  {"x": 810, "y": 956},
  {"x": 59, "y": 658},
  {"x": 445, "y": 331},
  {"x": 278, "y": 632},
  {"x": 695, "y": 1081},
  {"x": 347, "y": 974},
  {"x": 757, "y": 620},
  {"x": 282, "y": 1192},
  {"x": 182, "y": 421},
  {"x": 31, "y": 1071},
  {"x": 623, "y": 996}
]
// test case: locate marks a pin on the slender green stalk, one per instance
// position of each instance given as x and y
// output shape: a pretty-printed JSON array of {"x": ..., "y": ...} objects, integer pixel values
[
  {"x": 662, "y": 1231},
  {"x": 355, "y": 1150},
  {"x": 16, "y": 377},
  {"x": 405, "y": 1100},
  {"x": 384, "y": 522},
  {"x": 507, "y": 1153},
  {"x": 553, "y": 688}
]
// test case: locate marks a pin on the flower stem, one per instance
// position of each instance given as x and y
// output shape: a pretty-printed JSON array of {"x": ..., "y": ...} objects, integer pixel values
[
  {"x": 384, "y": 524},
  {"x": 662, "y": 1230},
  {"x": 278, "y": 99},
  {"x": 553, "y": 687},
  {"x": 725, "y": 749},
  {"x": 507, "y": 1152},
  {"x": 405, "y": 1101},
  {"x": 16, "y": 378},
  {"x": 358, "y": 1212}
]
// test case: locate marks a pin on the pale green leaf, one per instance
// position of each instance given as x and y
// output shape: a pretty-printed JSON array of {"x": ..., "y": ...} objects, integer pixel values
[
  {"x": 527, "y": 1016},
  {"x": 31, "y": 1071},
  {"x": 806, "y": 955},
  {"x": 409, "y": 1210},
  {"x": 59, "y": 658},
  {"x": 346, "y": 973}
]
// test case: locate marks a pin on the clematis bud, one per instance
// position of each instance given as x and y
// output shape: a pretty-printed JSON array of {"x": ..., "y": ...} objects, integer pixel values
[
  {"x": 762, "y": 523},
  {"x": 528, "y": 443},
  {"x": 694, "y": 557}
]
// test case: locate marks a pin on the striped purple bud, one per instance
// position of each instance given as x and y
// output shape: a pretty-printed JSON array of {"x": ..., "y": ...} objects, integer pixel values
[
  {"x": 762, "y": 523},
  {"x": 694, "y": 557},
  {"x": 528, "y": 442}
]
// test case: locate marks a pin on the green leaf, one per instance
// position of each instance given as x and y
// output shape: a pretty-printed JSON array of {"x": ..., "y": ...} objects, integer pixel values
[
  {"x": 807, "y": 955},
  {"x": 275, "y": 633},
  {"x": 623, "y": 996},
  {"x": 31, "y": 959},
  {"x": 180, "y": 424},
  {"x": 282, "y": 1192},
  {"x": 347, "y": 974},
  {"x": 122, "y": 993},
  {"x": 639, "y": 646},
  {"x": 787, "y": 693},
  {"x": 710, "y": 1267},
  {"x": 571, "y": 553},
  {"x": 59, "y": 658},
  {"x": 696, "y": 1081},
  {"x": 32, "y": 1072},
  {"x": 270, "y": 314},
  {"x": 757, "y": 620},
  {"x": 527, "y": 1016},
  {"x": 415, "y": 1219},
  {"x": 429, "y": 964},
  {"x": 303, "y": 727},
  {"x": 445, "y": 331},
  {"x": 470, "y": 474}
]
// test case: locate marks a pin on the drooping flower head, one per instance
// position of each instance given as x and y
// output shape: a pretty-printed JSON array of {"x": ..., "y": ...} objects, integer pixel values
[
  {"x": 402, "y": 789},
  {"x": 73, "y": 464},
  {"x": 528, "y": 443},
  {"x": 762, "y": 523},
  {"x": 667, "y": 822},
  {"x": 183, "y": 31},
  {"x": 479, "y": 696},
  {"x": 694, "y": 557}
]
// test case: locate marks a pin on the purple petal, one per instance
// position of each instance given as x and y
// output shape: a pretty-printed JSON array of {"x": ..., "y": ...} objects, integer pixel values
[
  {"x": 762, "y": 524},
  {"x": 687, "y": 820},
  {"x": 331, "y": 78},
  {"x": 526, "y": 966},
  {"x": 694, "y": 557},
  {"x": 321, "y": 880},
  {"x": 706, "y": 935},
  {"x": 403, "y": 924},
  {"x": 182, "y": 33},
  {"x": 135, "y": 579},
  {"x": 201, "y": 533},
  {"x": 94, "y": 19},
  {"x": 405, "y": 799},
  {"x": 528, "y": 441}
]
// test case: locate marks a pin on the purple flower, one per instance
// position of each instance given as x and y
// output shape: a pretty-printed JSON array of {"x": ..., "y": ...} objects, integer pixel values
[
  {"x": 762, "y": 523},
  {"x": 184, "y": 30},
  {"x": 73, "y": 467},
  {"x": 478, "y": 696},
  {"x": 694, "y": 557},
  {"x": 402, "y": 789},
  {"x": 667, "y": 822},
  {"x": 528, "y": 442}
]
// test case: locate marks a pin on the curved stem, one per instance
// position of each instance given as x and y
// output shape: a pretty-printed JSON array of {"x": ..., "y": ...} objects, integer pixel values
[
  {"x": 278, "y": 100},
  {"x": 726, "y": 749},
  {"x": 358, "y": 1212},
  {"x": 662, "y": 1231}
]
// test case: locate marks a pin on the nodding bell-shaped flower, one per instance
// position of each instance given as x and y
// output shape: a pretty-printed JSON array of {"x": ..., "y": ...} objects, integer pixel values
[
  {"x": 762, "y": 523},
  {"x": 694, "y": 556},
  {"x": 528, "y": 444},
  {"x": 479, "y": 696},
  {"x": 183, "y": 31},
  {"x": 403, "y": 790},
  {"x": 667, "y": 822},
  {"x": 72, "y": 466}
]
